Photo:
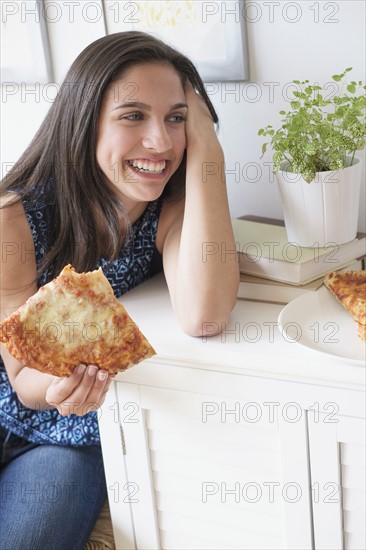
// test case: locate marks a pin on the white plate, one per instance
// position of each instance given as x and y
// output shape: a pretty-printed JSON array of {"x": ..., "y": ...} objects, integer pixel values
[{"x": 318, "y": 321}]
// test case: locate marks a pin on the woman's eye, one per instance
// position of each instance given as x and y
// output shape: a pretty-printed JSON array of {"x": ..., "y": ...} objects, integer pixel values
[
  {"x": 132, "y": 116},
  {"x": 177, "y": 118}
]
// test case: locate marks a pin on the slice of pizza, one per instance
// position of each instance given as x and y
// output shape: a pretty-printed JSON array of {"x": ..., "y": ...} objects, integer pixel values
[
  {"x": 349, "y": 287},
  {"x": 74, "y": 319}
]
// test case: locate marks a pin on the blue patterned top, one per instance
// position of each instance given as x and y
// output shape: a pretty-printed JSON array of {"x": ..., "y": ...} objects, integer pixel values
[{"x": 134, "y": 265}]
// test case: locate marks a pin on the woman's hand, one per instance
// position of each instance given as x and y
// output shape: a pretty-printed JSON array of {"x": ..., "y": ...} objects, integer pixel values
[
  {"x": 81, "y": 392},
  {"x": 200, "y": 129}
]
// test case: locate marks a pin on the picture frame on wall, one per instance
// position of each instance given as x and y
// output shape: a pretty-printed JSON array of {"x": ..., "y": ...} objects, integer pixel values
[
  {"x": 212, "y": 34},
  {"x": 25, "y": 56}
]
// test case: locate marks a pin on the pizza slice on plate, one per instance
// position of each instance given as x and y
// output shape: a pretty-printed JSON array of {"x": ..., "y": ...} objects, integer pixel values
[
  {"x": 349, "y": 287},
  {"x": 74, "y": 319}
]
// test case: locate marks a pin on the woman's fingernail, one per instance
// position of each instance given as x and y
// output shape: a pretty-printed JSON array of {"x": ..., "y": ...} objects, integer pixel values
[
  {"x": 81, "y": 369},
  {"x": 92, "y": 369},
  {"x": 102, "y": 375}
]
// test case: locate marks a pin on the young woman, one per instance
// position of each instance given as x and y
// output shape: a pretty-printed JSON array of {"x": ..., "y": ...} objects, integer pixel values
[{"x": 126, "y": 173}]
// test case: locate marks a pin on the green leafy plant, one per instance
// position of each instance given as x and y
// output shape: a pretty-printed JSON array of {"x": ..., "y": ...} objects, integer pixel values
[{"x": 318, "y": 134}]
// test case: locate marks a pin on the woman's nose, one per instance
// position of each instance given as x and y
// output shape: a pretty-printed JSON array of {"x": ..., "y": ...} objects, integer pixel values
[{"x": 157, "y": 138}]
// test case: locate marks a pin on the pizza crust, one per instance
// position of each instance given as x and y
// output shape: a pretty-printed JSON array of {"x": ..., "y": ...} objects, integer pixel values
[
  {"x": 74, "y": 319},
  {"x": 349, "y": 287}
]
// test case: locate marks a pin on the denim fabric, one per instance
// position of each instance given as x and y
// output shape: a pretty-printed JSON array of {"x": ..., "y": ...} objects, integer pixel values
[{"x": 50, "y": 495}]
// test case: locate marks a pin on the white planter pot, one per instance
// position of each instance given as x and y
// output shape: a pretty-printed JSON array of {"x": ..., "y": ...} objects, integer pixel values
[{"x": 323, "y": 211}]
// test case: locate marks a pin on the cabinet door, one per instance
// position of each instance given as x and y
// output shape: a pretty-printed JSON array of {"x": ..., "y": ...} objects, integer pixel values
[
  {"x": 337, "y": 459},
  {"x": 208, "y": 472},
  {"x": 119, "y": 490}
]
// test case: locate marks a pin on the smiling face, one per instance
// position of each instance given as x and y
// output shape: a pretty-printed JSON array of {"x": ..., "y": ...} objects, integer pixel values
[{"x": 141, "y": 132}]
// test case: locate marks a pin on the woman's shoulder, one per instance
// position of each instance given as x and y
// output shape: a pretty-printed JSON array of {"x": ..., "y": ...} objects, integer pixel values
[
  {"x": 11, "y": 212},
  {"x": 18, "y": 268},
  {"x": 8, "y": 198},
  {"x": 27, "y": 201},
  {"x": 14, "y": 228},
  {"x": 25, "y": 216}
]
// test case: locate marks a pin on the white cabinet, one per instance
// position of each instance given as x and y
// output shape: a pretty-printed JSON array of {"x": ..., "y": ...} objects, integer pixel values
[
  {"x": 219, "y": 444},
  {"x": 337, "y": 460}
]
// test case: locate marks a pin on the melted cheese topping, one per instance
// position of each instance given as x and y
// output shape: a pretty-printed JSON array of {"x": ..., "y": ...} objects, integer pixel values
[
  {"x": 75, "y": 319},
  {"x": 63, "y": 312}
]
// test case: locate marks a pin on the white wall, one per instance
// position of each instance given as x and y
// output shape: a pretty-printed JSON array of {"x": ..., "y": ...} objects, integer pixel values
[
  {"x": 312, "y": 48},
  {"x": 287, "y": 40}
]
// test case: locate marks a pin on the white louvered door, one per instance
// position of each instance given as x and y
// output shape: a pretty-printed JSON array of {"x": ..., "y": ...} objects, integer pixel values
[
  {"x": 203, "y": 480},
  {"x": 337, "y": 458}
]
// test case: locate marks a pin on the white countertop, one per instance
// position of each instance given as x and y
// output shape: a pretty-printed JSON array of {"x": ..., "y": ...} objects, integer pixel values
[{"x": 250, "y": 344}]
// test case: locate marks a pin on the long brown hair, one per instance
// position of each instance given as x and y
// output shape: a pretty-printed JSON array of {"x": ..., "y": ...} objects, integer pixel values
[{"x": 63, "y": 150}]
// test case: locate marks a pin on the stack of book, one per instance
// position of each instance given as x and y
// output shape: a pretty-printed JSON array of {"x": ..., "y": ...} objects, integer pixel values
[{"x": 275, "y": 270}]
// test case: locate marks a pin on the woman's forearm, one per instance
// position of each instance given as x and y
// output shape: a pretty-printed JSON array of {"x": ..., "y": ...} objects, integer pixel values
[
  {"x": 203, "y": 262},
  {"x": 82, "y": 391},
  {"x": 207, "y": 269},
  {"x": 30, "y": 385}
]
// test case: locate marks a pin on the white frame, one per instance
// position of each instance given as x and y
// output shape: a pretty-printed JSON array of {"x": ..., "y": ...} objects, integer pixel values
[
  {"x": 33, "y": 28},
  {"x": 226, "y": 15}
]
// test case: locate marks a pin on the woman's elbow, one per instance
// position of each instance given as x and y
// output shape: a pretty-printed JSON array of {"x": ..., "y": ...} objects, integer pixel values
[{"x": 205, "y": 326}]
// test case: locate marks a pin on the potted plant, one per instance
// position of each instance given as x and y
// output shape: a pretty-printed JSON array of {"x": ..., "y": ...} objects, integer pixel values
[{"x": 317, "y": 172}]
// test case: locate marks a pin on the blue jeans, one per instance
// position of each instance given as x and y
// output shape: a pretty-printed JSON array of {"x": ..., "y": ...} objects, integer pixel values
[{"x": 50, "y": 496}]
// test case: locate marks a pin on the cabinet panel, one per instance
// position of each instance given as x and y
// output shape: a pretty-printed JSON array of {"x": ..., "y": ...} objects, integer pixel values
[
  {"x": 177, "y": 541},
  {"x": 214, "y": 489},
  {"x": 337, "y": 454},
  {"x": 211, "y": 481},
  {"x": 115, "y": 471}
]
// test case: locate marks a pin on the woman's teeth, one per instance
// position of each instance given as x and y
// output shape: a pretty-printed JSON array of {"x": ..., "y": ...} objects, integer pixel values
[{"x": 148, "y": 166}]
